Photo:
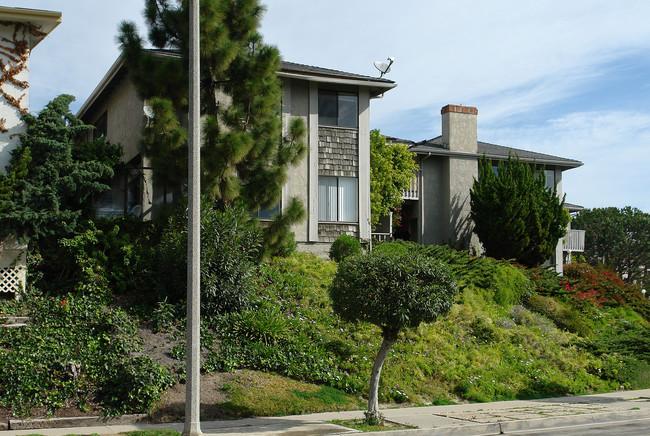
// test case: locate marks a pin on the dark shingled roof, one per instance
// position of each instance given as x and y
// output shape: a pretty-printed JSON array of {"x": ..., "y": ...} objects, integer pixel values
[
  {"x": 492, "y": 151},
  {"x": 291, "y": 67}
]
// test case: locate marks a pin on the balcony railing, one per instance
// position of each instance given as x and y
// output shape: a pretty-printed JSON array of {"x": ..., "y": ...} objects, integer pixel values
[
  {"x": 574, "y": 241},
  {"x": 413, "y": 191},
  {"x": 382, "y": 237}
]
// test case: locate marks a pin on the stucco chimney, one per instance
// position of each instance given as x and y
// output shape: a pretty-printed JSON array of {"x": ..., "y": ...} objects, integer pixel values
[{"x": 459, "y": 128}]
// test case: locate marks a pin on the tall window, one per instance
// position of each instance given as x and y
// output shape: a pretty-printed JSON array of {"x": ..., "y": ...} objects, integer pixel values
[
  {"x": 101, "y": 126},
  {"x": 338, "y": 109},
  {"x": 550, "y": 179},
  {"x": 337, "y": 199}
]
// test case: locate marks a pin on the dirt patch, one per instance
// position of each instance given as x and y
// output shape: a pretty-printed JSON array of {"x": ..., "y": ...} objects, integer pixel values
[
  {"x": 159, "y": 345},
  {"x": 172, "y": 406}
]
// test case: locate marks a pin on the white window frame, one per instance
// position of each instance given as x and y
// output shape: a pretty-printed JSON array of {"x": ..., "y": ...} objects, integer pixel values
[{"x": 338, "y": 199}]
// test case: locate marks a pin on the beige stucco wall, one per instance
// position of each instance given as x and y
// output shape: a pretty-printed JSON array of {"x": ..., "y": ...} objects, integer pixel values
[
  {"x": 125, "y": 117},
  {"x": 295, "y": 103},
  {"x": 433, "y": 215},
  {"x": 364, "y": 164},
  {"x": 462, "y": 173}
]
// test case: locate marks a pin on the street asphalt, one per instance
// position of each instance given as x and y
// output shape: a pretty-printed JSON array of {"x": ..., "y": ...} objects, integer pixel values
[{"x": 458, "y": 420}]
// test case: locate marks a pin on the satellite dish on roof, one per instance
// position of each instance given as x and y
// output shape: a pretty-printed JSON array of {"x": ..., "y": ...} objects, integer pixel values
[
  {"x": 384, "y": 67},
  {"x": 148, "y": 111}
]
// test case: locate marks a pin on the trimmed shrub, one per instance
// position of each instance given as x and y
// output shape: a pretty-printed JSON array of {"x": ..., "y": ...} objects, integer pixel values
[
  {"x": 134, "y": 385},
  {"x": 345, "y": 246},
  {"x": 562, "y": 317},
  {"x": 231, "y": 244}
]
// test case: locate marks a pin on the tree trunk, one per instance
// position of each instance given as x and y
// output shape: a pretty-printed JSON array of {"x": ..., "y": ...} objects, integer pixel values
[{"x": 373, "y": 415}]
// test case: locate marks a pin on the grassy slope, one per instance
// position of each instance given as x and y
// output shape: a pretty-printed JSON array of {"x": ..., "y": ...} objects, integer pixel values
[
  {"x": 489, "y": 347},
  {"x": 295, "y": 352}
]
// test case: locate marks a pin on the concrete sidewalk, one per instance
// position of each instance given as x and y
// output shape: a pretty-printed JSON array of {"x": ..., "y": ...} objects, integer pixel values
[{"x": 463, "y": 419}]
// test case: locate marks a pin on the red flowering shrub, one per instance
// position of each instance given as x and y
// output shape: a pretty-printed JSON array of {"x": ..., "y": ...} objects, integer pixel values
[{"x": 589, "y": 287}]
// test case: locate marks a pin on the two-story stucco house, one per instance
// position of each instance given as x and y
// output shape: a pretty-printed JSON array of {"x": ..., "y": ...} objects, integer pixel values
[
  {"x": 333, "y": 181},
  {"x": 20, "y": 31},
  {"x": 437, "y": 208}
]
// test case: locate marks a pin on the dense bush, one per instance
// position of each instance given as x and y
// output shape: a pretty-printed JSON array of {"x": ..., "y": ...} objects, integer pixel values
[
  {"x": 71, "y": 353},
  {"x": 588, "y": 287},
  {"x": 392, "y": 290},
  {"x": 230, "y": 247},
  {"x": 563, "y": 317},
  {"x": 344, "y": 246},
  {"x": 134, "y": 385},
  {"x": 625, "y": 349},
  {"x": 279, "y": 332},
  {"x": 110, "y": 256},
  {"x": 506, "y": 283}
]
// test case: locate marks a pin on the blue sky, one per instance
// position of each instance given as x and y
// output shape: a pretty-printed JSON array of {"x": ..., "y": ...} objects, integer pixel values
[{"x": 568, "y": 78}]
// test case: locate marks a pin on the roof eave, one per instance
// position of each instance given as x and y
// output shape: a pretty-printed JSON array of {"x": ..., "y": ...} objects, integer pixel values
[
  {"x": 46, "y": 20},
  {"x": 376, "y": 87},
  {"x": 103, "y": 84},
  {"x": 568, "y": 164}
]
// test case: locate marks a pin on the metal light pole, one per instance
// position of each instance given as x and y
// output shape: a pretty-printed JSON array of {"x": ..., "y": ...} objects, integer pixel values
[{"x": 193, "y": 350}]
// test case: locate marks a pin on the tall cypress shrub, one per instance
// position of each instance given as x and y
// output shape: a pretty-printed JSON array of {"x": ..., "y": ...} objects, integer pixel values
[{"x": 516, "y": 216}]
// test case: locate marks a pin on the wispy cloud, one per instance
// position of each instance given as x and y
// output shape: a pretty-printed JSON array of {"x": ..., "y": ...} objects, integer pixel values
[{"x": 614, "y": 146}]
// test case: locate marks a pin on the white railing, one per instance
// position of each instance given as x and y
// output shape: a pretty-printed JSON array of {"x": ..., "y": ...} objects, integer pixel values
[
  {"x": 382, "y": 237},
  {"x": 574, "y": 241},
  {"x": 413, "y": 191}
]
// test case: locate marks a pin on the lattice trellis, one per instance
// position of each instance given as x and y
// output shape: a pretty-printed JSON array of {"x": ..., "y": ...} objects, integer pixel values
[{"x": 12, "y": 279}]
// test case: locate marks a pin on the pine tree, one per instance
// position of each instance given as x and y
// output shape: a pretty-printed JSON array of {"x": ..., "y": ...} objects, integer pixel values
[
  {"x": 244, "y": 156},
  {"x": 53, "y": 174},
  {"x": 515, "y": 215}
]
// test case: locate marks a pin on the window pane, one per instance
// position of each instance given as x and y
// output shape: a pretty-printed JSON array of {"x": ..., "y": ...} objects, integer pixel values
[
  {"x": 327, "y": 108},
  {"x": 348, "y": 199},
  {"x": 327, "y": 199},
  {"x": 101, "y": 126},
  {"x": 267, "y": 214},
  {"x": 550, "y": 178},
  {"x": 348, "y": 112}
]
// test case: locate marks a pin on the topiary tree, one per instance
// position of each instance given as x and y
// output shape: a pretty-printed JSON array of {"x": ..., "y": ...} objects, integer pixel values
[
  {"x": 345, "y": 246},
  {"x": 515, "y": 215},
  {"x": 392, "y": 290}
]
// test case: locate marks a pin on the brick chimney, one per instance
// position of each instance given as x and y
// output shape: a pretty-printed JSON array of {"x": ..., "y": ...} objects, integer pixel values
[{"x": 459, "y": 128}]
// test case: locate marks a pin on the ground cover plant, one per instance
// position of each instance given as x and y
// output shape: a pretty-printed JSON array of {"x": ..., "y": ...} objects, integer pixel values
[
  {"x": 493, "y": 345},
  {"x": 511, "y": 333},
  {"x": 76, "y": 352}
]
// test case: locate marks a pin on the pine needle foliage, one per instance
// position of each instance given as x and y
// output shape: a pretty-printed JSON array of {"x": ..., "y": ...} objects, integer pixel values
[
  {"x": 244, "y": 156},
  {"x": 515, "y": 215}
]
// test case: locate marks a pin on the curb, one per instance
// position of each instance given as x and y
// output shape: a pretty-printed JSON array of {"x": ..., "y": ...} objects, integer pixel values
[
  {"x": 79, "y": 421},
  {"x": 497, "y": 428}
]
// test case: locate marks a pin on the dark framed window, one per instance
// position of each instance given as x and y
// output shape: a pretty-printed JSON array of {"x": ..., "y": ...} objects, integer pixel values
[
  {"x": 270, "y": 213},
  {"x": 101, "y": 126},
  {"x": 340, "y": 109}
]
